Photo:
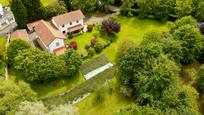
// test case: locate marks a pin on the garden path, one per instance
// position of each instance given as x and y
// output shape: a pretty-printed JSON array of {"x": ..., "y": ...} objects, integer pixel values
[{"x": 6, "y": 66}]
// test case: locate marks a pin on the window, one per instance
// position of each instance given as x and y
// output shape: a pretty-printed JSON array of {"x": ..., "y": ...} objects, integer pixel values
[
  {"x": 57, "y": 44},
  {"x": 63, "y": 26},
  {"x": 77, "y": 21},
  {"x": 70, "y": 23}
]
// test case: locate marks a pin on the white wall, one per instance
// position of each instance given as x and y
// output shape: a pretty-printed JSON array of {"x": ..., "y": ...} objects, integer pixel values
[
  {"x": 53, "y": 46},
  {"x": 66, "y": 26}
]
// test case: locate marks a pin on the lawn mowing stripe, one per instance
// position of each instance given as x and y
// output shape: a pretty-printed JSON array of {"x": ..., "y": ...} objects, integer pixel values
[{"x": 94, "y": 64}]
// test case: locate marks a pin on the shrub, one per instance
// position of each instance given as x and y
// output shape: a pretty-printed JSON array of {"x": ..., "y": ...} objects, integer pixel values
[
  {"x": 93, "y": 42},
  {"x": 110, "y": 27},
  {"x": 99, "y": 46},
  {"x": 74, "y": 45},
  {"x": 90, "y": 28},
  {"x": 190, "y": 75},
  {"x": 99, "y": 95},
  {"x": 87, "y": 46},
  {"x": 201, "y": 79},
  {"x": 91, "y": 52},
  {"x": 96, "y": 34}
]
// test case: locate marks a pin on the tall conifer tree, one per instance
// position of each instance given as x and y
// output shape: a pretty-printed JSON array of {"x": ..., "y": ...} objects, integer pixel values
[{"x": 19, "y": 12}]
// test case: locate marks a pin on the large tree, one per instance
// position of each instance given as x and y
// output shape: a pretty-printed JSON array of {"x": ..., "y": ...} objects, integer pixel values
[
  {"x": 13, "y": 94},
  {"x": 154, "y": 80},
  {"x": 39, "y": 66},
  {"x": 38, "y": 108},
  {"x": 183, "y": 8},
  {"x": 14, "y": 47},
  {"x": 73, "y": 61},
  {"x": 188, "y": 35},
  {"x": 34, "y": 9},
  {"x": 19, "y": 12}
]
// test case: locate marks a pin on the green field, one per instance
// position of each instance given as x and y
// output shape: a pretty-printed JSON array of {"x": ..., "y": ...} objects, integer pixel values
[
  {"x": 44, "y": 2},
  {"x": 132, "y": 28},
  {"x": 49, "y": 89},
  {"x": 112, "y": 102}
]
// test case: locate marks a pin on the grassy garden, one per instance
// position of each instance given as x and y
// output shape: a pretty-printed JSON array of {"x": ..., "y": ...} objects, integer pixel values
[
  {"x": 49, "y": 89},
  {"x": 132, "y": 28}
]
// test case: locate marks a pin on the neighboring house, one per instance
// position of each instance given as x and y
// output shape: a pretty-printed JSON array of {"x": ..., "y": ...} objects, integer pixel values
[
  {"x": 20, "y": 34},
  {"x": 6, "y": 17},
  {"x": 49, "y": 38},
  {"x": 69, "y": 23}
]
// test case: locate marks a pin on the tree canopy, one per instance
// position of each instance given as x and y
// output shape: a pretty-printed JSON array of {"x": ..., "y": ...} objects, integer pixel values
[
  {"x": 14, "y": 47},
  {"x": 39, "y": 66},
  {"x": 13, "y": 94}
]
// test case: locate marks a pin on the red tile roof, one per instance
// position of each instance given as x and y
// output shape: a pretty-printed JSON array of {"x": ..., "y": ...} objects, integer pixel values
[
  {"x": 33, "y": 24},
  {"x": 20, "y": 34},
  {"x": 47, "y": 32},
  {"x": 68, "y": 17}
]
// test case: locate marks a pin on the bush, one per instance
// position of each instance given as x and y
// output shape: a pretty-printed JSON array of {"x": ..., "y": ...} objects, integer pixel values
[
  {"x": 190, "y": 75},
  {"x": 74, "y": 45},
  {"x": 93, "y": 42},
  {"x": 87, "y": 46},
  {"x": 90, "y": 28},
  {"x": 55, "y": 9},
  {"x": 91, "y": 52},
  {"x": 99, "y": 46},
  {"x": 96, "y": 34},
  {"x": 201, "y": 79},
  {"x": 99, "y": 95},
  {"x": 110, "y": 27}
]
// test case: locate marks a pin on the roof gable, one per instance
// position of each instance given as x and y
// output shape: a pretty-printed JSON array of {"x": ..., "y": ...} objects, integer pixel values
[
  {"x": 68, "y": 17},
  {"x": 47, "y": 33}
]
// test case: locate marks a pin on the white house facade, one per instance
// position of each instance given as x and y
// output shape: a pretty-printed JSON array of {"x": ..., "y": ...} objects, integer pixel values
[
  {"x": 6, "y": 17},
  {"x": 66, "y": 28},
  {"x": 69, "y": 22},
  {"x": 48, "y": 37},
  {"x": 57, "y": 43}
]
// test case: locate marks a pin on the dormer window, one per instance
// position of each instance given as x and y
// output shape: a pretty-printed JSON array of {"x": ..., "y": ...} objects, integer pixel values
[
  {"x": 63, "y": 26},
  {"x": 70, "y": 23},
  {"x": 77, "y": 21}
]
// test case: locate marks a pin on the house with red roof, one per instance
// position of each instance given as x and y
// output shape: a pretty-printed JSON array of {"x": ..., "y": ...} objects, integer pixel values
[
  {"x": 48, "y": 37},
  {"x": 72, "y": 22}
]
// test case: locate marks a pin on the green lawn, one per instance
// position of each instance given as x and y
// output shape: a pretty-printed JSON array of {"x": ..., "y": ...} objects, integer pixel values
[
  {"x": 132, "y": 28},
  {"x": 112, "y": 102},
  {"x": 49, "y": 89},
  {"x": 44, "y": 2},
  {"x": 89, "y": 86}
]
